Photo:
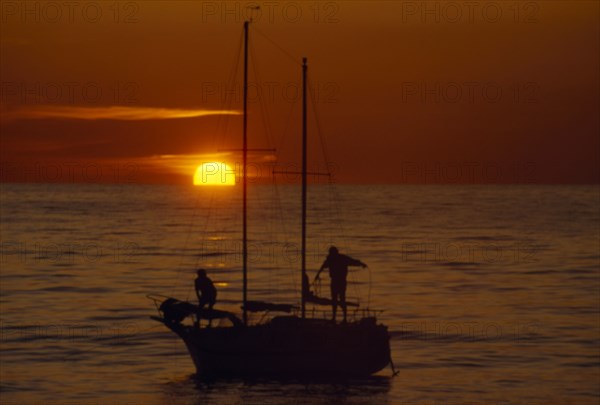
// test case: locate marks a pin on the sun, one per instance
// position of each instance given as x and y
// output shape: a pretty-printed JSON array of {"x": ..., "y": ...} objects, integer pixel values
[{"x": 214, "y": 174}]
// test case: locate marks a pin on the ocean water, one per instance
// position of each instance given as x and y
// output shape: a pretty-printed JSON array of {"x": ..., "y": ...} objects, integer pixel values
[{"x": 491, "y": 293}]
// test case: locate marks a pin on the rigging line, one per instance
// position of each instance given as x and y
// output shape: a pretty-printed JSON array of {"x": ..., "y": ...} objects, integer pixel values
[
  {"x": 279, "y": 146},
  {"x": 223, "y": 121},
  {"x": 332, "y": 188},
  {"x": 271, "y": 254},
  {"x": 277, "y": 226},
  {"x": 334, "y": 200},
  {"x": 356, "y": 283},
  {"x": 204, "y": 231},
  {"x": 320, "y": 135},
  {"x": 185, "y": 244},
  {"x": 294, "y": 59},
  {"x": 332, "y": 191},
  {"x": 318, "y": 124},
  {"x": 220, "y": 119},
  {"x": 262, "y": 104},
  {"x": 369, "y": 288},
  {"x": 336, "y": 203},
  {"x": 209, "y": 215},
  {"x": 284, "y": 228},
  {"x": 276, "y": 199},
  {"x": 228, "y": 101},
  {"x": 270, "y": 136}
]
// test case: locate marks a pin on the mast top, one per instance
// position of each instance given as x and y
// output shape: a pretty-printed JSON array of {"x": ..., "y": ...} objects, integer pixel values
[{"x": 253, "y": 8}]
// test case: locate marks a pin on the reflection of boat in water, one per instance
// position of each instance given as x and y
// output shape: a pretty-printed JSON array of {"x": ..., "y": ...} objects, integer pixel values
[{"x": 286, "y": 345}]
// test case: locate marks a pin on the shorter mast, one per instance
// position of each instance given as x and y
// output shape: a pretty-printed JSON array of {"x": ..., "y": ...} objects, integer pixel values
[
  {"x": 304, "y": 173},
  {"x": 245, "y": 180}
]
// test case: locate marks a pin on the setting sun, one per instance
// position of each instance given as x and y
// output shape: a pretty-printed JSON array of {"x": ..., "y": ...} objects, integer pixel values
[{"x": 214, "y": 174}]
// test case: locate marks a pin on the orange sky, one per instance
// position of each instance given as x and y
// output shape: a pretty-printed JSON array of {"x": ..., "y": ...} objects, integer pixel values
[{"x": 406, "y": 92}]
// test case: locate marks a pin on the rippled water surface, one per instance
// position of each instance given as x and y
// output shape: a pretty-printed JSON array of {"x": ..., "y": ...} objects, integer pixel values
[{"x": 491, "y": 293}]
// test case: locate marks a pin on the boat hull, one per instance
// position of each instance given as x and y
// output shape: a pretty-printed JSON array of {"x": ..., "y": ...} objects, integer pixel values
[{"x": 289, "y": 346}]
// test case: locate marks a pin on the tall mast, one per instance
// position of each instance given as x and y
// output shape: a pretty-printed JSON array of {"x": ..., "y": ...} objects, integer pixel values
[
  {"x": 304, "y": 172},
  {"x": 245, "y": 178}
]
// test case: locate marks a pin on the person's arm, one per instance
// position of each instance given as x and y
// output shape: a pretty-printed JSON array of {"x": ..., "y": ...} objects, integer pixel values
[
  {"x": 196, "y": 287},
  {"x": 355, "y": 262},
  {"x": 212, "y": 286},
  {"x": 321, "y": 269}
]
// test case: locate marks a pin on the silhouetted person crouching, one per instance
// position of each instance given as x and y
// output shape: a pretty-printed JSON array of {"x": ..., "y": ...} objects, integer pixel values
[
  {"x": 338, "y": 272},
  {"x": 205, "y": 290}
]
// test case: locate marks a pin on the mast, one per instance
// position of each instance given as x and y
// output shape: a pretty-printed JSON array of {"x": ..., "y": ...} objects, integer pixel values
[
  {"x": 304, "y": 173},
  {"x": 245, "y": 179}
]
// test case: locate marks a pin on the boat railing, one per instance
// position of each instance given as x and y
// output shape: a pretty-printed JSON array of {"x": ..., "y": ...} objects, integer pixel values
[
  {"x": 354, "y": 315},
  {"x": 314, "y": 313},
  {"x": 157, "y": 299}
]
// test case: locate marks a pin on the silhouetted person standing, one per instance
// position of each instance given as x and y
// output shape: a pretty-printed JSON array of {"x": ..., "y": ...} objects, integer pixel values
[
  {"x": 205, "y": 290},
  {"x": 338, "y": 272}
]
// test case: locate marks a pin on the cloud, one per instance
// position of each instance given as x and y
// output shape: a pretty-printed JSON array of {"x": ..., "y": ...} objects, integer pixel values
[
  {"x": 119, "y": 113},
  {"x": 187, "y": 163}
]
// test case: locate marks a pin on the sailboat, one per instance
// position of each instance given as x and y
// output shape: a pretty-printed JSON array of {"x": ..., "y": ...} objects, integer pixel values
[{"x": 289, "y": 345}]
